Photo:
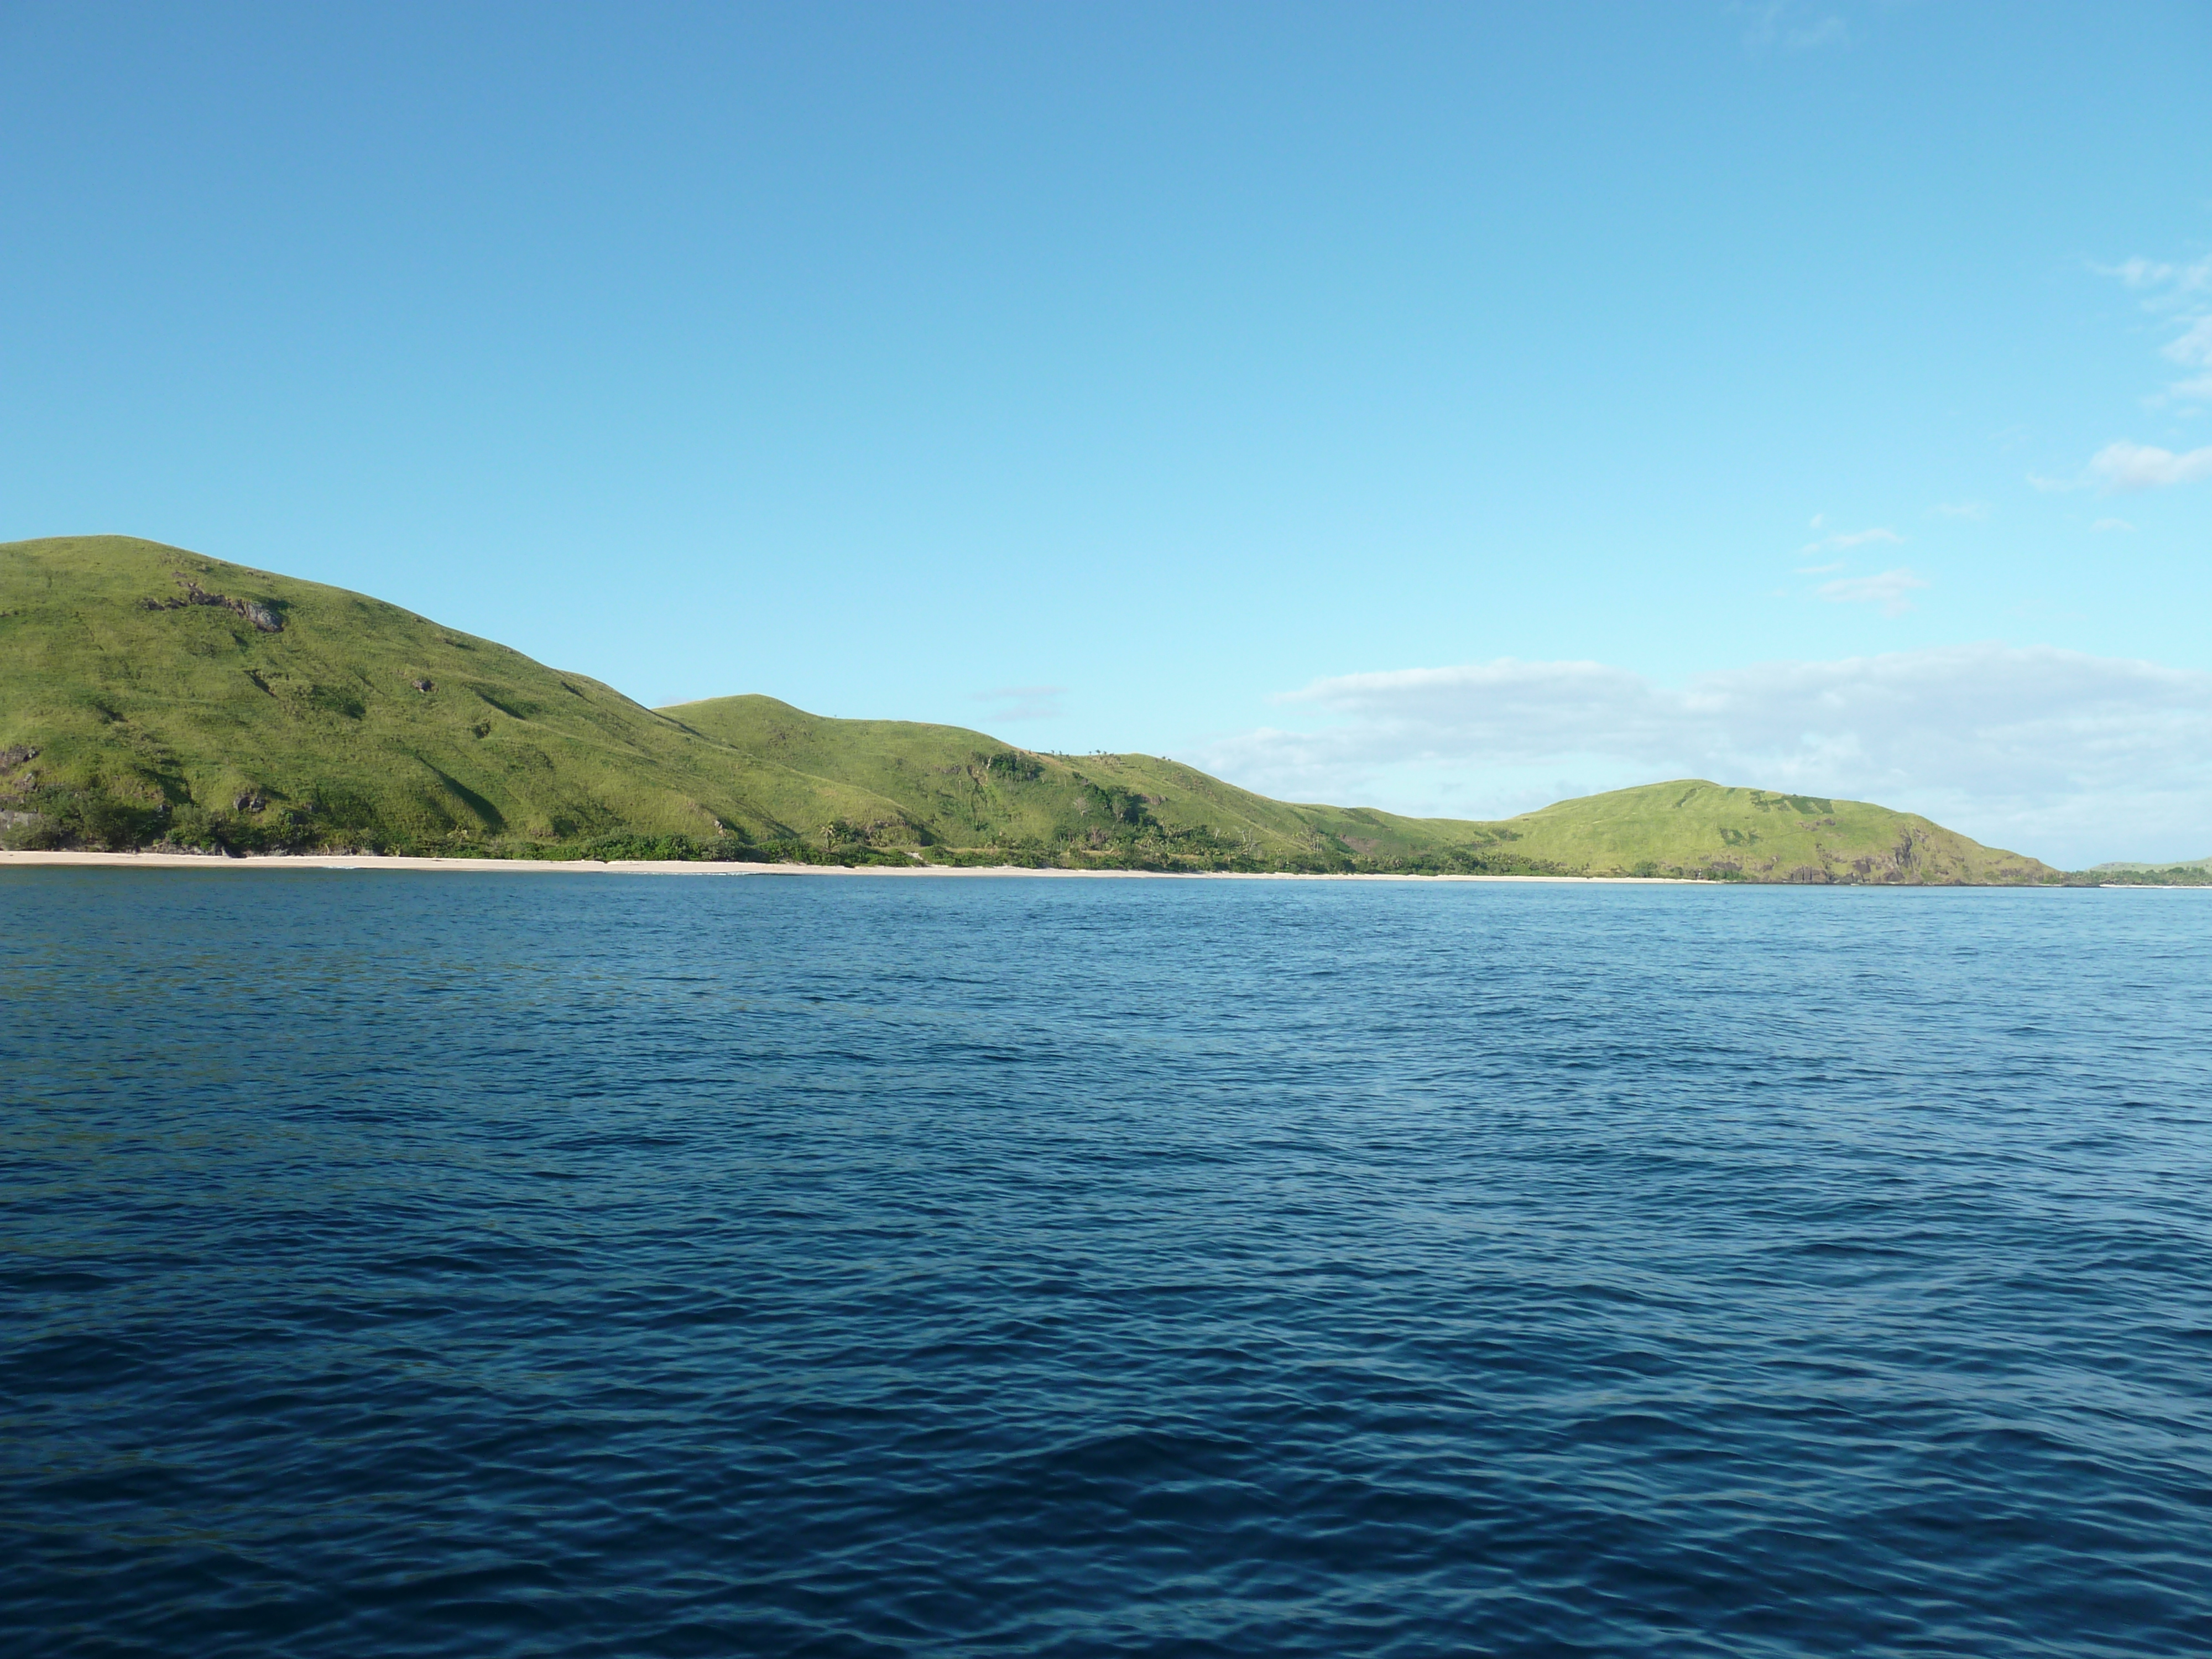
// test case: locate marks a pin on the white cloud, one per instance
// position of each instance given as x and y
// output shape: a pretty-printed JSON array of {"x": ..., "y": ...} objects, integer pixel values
[
  {"x": 2176, "y": 294},
  {"x": 2126, "y": 466},
  {"x": 2194, "y": 347},
  {"x": 1791, "y": 25},
  {"x": 2137, "y": 272},
  {"x": 1024, "y": 702},
  {"x": 1887, "y": 589},
  {"x": 2105, "y": 526},
  {"x": 1851, "y": 539},
  {"x": 2176, "y": 281},
  {"x": 2070, "y": 757}
]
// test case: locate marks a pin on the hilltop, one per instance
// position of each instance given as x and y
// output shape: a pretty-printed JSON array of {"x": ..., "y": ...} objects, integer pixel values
[
  {"x": 1759, "y": 835},
  {"x": 153, "y": 697}
]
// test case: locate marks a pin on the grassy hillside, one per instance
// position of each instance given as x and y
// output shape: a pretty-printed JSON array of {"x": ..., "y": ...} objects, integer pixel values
[
  {"x": 1691, "y": 825},
  {"x": 174, "y": 697},
  {"x": 153, "y": 696},
  {"x": 970, "y": 795},
  {"x": 975, "y": 793}
]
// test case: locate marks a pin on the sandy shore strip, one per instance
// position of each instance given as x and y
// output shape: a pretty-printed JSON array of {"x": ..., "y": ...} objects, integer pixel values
[{"x": 670, "y": 867}]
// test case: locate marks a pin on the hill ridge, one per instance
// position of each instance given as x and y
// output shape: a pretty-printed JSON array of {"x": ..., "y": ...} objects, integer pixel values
[{"x": 150, "y": 695}]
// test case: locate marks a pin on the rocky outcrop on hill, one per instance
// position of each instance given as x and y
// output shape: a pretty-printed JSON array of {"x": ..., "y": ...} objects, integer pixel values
[
  {"x": 259, "y": 615},
  {"x": 16, "y": 777}
]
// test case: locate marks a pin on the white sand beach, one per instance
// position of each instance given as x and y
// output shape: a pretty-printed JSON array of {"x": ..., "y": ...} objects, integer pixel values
[{"x": 643, "y": 867}]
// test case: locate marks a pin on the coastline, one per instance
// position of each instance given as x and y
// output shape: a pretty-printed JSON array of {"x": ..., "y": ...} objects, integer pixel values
[
  {"x": 673, "y": 867},
  {"x": 702, "y": 867}
]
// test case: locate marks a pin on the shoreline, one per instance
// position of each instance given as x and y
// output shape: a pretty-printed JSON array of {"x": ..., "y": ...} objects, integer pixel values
[
  {"x": 355, "y": 861},
  {"x": 686, "y": 867}
]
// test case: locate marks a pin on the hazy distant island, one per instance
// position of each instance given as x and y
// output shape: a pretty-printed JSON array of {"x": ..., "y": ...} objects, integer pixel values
[{"x": 152, "y": 698}]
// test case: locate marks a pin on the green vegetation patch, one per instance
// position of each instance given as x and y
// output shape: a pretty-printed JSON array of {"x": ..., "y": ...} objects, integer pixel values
[{"x": 150, "y": 696}]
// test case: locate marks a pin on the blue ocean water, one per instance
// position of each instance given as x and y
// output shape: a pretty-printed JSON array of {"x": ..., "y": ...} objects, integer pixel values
[{"x": 503, "y": 1264}]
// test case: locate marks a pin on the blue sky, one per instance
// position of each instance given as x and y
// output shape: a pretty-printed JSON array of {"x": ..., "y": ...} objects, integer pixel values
[{"x": 1445, "y": 408}]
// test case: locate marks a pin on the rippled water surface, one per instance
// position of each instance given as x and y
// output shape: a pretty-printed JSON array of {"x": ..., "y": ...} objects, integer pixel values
[{"x": 499, "y": 1264}]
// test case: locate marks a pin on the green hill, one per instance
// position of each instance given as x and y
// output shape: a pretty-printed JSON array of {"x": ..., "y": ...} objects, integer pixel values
[
  {"x": 163, "y": 707},
  {"x": 975, "y": 794},
  {"x": 1759, "y": 835},
  {"x": 153, "y": 696}
]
